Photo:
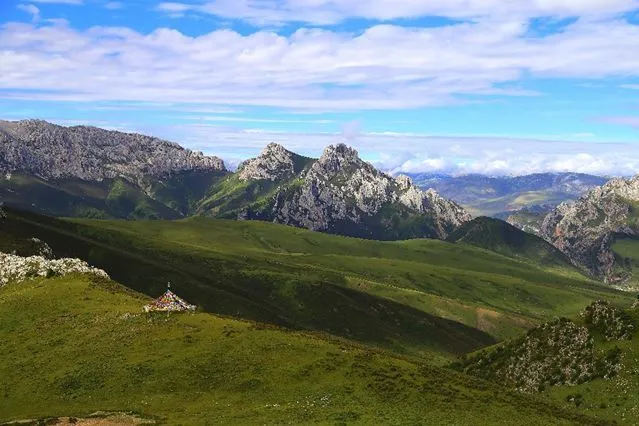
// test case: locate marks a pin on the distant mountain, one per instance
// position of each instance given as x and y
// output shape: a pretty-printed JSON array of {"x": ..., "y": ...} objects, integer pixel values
[
  {"x": 588, "y": 230},
  {"x": 496, "y": 196},
  {"x": 50, "y": 151},
  {"x": 501, "y": 237},
  {"x": 90, "y": 172},
  {"x": 528, "y": 219},
  {"x": 86, "y": 171}
]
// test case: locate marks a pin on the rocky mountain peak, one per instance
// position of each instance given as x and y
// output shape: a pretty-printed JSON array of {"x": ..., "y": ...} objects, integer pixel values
[
  {"x": 274, "y": 163},
  {"x": 584, "y": 230},
  {"x": 620, "y": 187},
  {"x": 404, "y": 182},
  {"x": 338, "y": 157}
]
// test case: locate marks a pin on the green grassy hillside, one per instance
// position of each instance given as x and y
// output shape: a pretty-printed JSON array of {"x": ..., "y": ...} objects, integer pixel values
[
  {"x": 501, "y": 237},
  {"x": 172, "y": 196},
  {"x": 254, "y": 286},
  {"x": 73, "y": 346},
  {"x": 423, "y": 297},
  {"x": 627, "y": 251}
]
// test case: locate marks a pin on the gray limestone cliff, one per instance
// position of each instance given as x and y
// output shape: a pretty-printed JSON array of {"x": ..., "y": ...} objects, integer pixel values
[
  {"x": 586, "y": 229},
  {"x": 89, "y": 153}
]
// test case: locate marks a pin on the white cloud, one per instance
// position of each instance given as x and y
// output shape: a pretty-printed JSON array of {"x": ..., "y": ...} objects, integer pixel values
[
  {"x": 114, "y": 5},
  {"x": 623, "y": 120},
  {"x": 252, "y": 119},
  {"x": 630, "y": 86},
  {"x": 324, "y": 12},
  {"x": 385, "y": 67},
  {"x": 32, "y": 10},
  {"x": 73, "y": 2},
  {"x": 414, "y": 153}
]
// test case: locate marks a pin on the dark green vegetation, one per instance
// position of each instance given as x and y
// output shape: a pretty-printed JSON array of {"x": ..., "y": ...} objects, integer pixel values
[
  {"x": 83, "y": 345},
  {"x": 173, "y": 197},
  {"x": 626, "y": 250},
  {"x": 503, "y": 238},
  {"x": 423, "y": 297}
]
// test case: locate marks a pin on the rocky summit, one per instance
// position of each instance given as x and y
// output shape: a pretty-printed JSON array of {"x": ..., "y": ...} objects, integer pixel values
[
  {"x": 586, "y": 229},
  {"x": 341, "y": 193},
  {"x": 92, "y": 154},
  {"x": 274, "y": 163}
]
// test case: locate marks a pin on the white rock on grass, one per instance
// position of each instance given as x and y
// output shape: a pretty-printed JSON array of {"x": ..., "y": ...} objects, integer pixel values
[{"x": 17, "y": 268}]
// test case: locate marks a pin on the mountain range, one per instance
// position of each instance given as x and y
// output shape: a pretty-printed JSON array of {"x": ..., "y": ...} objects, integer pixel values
[
  {"x": 89, "y": 172},
  {"x": 503, "y": 196}
]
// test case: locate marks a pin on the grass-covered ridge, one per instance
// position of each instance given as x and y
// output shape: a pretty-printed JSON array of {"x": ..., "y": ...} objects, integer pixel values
[
  {"x": 74, "y": 346},
  {"x": 501, "y": 237},
  {"x": 424, "y": 297}
]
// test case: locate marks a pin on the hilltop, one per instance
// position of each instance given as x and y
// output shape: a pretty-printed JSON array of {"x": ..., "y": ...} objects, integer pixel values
[
  {"x": 503, "y": 238},
  {"x": 588, "y": 363}
]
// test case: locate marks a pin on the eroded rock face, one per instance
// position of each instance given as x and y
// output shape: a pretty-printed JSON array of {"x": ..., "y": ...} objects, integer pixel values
[
  {"x": 584, "y": 230},
  {"x": 89, "y": 153},
  {"x": 274, "y": 163},
  {"x": 341, "y": 189}
]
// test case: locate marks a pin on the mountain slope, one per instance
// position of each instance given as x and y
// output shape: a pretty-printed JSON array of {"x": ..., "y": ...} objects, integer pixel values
[
  {"x": 496, "y": 196},
  {"x": 99, "y": 352},
  {"x": 411, "y": 296},
  {"x": 586, "y": 229},
  {"x": 242, "y": 282},
  {"x": 501, "y": 237},
  {"x": 90, "y": 153}
]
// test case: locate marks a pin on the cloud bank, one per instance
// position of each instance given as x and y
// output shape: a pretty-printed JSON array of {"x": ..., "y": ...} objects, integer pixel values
[{"x": 385, "y": 67}]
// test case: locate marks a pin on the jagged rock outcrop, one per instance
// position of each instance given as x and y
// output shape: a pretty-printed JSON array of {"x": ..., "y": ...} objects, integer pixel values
[
  {"x": 585, "y": 229},
  {"x": 89, "y": 153},
  {"x": 17, "y": 268},
  {"x": 275, "y": 163},
  {"x": 341, "y": 193}
]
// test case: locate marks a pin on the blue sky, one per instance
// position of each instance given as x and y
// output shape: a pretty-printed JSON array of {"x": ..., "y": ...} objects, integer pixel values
[{"x": 462, "y": 86}]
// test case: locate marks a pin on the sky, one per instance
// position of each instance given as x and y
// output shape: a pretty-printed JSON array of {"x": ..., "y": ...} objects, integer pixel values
[{"x": 499, "y": 87}]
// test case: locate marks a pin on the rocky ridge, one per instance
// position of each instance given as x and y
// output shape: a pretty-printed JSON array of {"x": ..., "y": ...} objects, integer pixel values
[
  {"x": 341, "y": 189},
  {"x": 93, "y": 154},
  {"x": 585, "y": 229},
  {"x": 556, "y": 353}
]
